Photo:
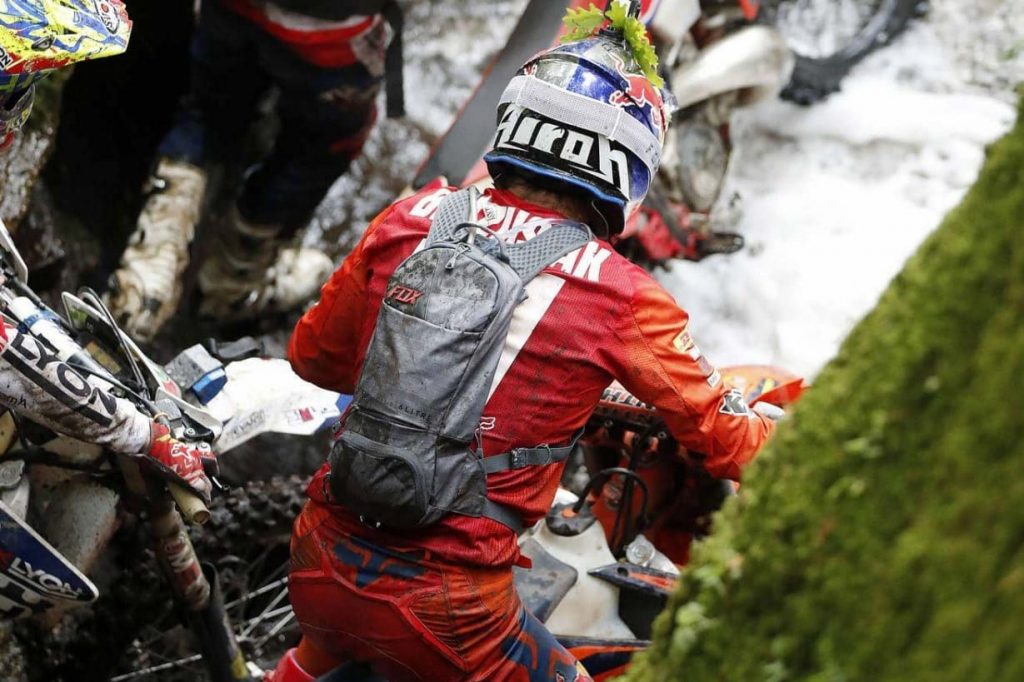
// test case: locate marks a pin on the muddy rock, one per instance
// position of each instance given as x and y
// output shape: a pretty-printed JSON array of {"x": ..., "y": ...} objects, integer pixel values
[{"x": 21, "y": 164}]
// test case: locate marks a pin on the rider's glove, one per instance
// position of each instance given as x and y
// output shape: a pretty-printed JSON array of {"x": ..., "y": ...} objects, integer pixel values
[
  {"x": 182, "y": 462},
  {"x": 769, "y": 411}
]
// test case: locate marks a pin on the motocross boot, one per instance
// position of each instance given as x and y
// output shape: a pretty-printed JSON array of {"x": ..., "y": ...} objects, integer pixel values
[
  {"x": 147, "y": 285},
  {"x": 251, "y": 271},
  {"x": 288, "y": 670}
]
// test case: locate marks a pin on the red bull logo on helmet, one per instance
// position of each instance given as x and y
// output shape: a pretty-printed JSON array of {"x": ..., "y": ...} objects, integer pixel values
[{"x": 640, "y": 93}]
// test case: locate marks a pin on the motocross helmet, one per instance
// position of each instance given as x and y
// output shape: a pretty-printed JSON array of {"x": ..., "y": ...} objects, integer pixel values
[
  {"x": 41, "y": 36},
  {"x": 585, "y": 115}
]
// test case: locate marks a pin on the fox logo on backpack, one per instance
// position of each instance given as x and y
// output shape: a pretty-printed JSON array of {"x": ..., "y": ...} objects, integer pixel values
[{"x": 405, "y": 457}]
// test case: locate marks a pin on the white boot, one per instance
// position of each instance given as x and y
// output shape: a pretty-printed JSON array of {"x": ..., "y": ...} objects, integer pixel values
[
  {"x": 250, "y": 272},
  {"x": 147, "y": 287}
]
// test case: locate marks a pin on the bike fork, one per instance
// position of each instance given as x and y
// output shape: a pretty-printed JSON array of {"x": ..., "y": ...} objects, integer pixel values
[{"x": 197, "y": 591}]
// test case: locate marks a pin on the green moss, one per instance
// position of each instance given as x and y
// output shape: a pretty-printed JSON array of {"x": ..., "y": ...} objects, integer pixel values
[{"x": 881, "y": 535}]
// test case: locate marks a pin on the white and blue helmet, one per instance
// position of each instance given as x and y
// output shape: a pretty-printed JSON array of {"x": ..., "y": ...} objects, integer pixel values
[{"x": 583, "y": 114}]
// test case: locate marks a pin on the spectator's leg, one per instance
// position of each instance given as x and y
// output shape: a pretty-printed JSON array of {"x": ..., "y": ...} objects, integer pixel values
[
  {"x": 211, "y": 124},
  {"x": 326, "y": 114}
]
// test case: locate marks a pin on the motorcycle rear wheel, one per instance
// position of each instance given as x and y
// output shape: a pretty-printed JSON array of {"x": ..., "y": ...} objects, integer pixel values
[{"x": 829, "y": 37}]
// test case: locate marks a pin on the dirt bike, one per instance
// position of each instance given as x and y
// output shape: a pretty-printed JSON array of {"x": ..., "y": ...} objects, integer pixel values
[
  {"x": 63, "y": 501},
  {"x": 605, "y": 558},
  {"x": 717, "y": 56}
]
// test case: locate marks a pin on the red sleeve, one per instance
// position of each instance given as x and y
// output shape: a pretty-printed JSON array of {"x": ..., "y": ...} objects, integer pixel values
[
  {"x": 325, "y": 346},
  {"x": 662, "y": 366}
]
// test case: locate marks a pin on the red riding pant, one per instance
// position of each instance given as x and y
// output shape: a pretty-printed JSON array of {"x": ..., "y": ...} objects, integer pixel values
[{"x": 412, "y": 618}]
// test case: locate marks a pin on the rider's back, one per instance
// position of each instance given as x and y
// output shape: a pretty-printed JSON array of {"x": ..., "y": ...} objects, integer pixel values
[{"x": 590, "y": 317}]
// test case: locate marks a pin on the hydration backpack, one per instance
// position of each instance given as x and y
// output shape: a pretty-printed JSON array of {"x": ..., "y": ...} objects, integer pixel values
[{"x": 404, "y": 456}]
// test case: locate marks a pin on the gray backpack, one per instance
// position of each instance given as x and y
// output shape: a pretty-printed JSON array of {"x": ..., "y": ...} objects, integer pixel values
[{"x": 404, "y": 457}]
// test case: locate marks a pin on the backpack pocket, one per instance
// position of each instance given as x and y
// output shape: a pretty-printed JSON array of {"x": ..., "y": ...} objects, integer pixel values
[
  {"x": 386, "y": 482},
  {"x": 414, "y": 369}
]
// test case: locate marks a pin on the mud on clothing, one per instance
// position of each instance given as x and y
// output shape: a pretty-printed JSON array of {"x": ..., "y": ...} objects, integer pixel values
[
  {"x": 411, "y": 617},
  {"x": 328, "y": 72},
  {"x": 34, "y": 382},
  {"x": 590, "y": 318}
]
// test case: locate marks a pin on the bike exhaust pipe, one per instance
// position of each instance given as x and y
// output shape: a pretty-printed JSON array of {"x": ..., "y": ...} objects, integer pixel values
[
  {"x": 221, "y": 653},
  {"x": 756, "y": 61}
]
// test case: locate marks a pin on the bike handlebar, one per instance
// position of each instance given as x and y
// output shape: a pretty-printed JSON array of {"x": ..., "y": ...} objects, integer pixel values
[{"x": 192, "y": 507}]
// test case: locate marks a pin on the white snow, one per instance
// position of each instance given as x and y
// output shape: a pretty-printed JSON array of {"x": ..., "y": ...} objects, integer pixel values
[{"x": 835, "y": 197}]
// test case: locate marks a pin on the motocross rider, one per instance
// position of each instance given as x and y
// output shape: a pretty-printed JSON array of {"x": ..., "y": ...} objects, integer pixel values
[
  {"x": 327, "y": 59},
  {"x": 36, "y": 383},
  {"x": 36, "y": 38},
  {"x": 579, "y": 136}
]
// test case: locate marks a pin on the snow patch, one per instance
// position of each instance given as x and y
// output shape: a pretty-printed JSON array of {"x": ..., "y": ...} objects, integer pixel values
[{"x": 834, "y": 198}]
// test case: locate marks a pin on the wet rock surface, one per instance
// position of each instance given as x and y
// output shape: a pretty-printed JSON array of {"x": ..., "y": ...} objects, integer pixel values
[{"x": 22, "y": 163}]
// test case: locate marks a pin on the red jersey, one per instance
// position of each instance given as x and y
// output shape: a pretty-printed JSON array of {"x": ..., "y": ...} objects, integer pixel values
[
  {"x": 327, "y": 34},
  {"x": 589, "y": 318}
]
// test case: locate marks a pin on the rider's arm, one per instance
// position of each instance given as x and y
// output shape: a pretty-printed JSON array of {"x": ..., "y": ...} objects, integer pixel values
[
  {"x": 663, "y": 367},
  {"x": 325, "y": 345},
  {"x": 35, "y": 383}
]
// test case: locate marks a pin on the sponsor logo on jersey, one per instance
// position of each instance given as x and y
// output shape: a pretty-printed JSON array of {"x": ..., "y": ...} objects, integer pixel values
[
  {"x": 5, "y": 58},
  {"x": 515, "y": 225},
  {"x": 733, "y": 404},
  {"x": 72, "y": 390},
  {"x": 585, "y": 262},
  {"x": 685, "y": 344}
]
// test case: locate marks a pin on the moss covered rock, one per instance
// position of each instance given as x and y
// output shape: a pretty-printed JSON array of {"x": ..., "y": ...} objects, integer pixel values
[{"x": 881, "y": 534}]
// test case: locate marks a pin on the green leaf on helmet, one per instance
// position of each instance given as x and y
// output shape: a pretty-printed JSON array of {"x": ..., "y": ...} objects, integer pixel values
[{"x": 584, "y": 23}]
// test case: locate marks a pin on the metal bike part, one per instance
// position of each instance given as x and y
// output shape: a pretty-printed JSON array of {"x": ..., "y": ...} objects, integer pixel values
[
  {"x": 212, "y": 628},
  {"x": 754, "y": 60},
  {"x": 11, "y": 256},
  {"x": 177, "y": 558},
  {"x": 673, "y": 19},
  {"x": 703, "y": 160}
]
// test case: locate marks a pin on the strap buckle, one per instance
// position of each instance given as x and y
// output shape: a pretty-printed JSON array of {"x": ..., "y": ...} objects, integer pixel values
[
  {"x": 518, "y": 458},
  {"x": 524, "y": 457},
  {"x": 372, "y": 523}
]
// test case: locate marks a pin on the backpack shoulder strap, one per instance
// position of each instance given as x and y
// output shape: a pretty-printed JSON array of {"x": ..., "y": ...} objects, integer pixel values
[
  {"x": 458, "y": 210},
  {"x": 562, "y": 237},
  {"x": 453, "y": 212},
  {"x": 517, "y": 458}
]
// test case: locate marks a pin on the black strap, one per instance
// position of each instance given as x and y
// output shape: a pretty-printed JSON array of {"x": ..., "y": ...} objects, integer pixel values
[
  {"x": 394, "y": 80},
  {"x": 517, "y": 458},
  {"x": 503, "y": 515}
]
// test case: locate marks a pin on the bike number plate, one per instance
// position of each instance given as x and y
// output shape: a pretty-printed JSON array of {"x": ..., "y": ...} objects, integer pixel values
[{"x": 34, "y": 577}]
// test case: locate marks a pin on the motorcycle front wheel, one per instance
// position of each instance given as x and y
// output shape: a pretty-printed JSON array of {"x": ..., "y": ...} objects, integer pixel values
[
  {"x": 829, "y": 37},
  {"x": 247, "y": 542}
]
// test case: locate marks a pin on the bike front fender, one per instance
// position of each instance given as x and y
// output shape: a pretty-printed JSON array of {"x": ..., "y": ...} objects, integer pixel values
[{"x": 755, "y": 61}]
